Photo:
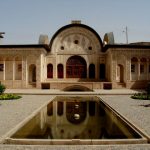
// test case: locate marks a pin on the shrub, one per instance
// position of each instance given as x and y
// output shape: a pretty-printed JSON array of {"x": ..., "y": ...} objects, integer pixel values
[
  {"x": 141, "y": 96},
  {"x": 2, "y": 88},
  {"x": 148, "y": 89},
  {"x": 9, "y": 96}
]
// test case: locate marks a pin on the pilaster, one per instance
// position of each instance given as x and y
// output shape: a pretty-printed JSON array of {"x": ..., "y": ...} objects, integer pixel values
[
  {"x": 138, "y": 69},
  {"x": 24, "y": 72},
  {"x": 4, "y": 70}
]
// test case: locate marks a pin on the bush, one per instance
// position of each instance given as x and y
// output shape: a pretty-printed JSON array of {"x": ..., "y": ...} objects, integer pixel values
[
  {"x": 2, "y": 88},
  {"x": 148, "y": 89},
  {"x": 9, "y": 96},
  {"x": 141, "y": 96}
]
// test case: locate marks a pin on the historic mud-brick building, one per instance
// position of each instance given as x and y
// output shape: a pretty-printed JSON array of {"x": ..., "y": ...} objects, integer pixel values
[{"x": 75, "y": 59}]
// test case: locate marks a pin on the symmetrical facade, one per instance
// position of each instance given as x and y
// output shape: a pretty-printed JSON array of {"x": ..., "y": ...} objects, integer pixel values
[{"x": 75, "y": 59}]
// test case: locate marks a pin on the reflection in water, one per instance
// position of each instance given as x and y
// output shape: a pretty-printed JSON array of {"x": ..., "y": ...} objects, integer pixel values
[{"x": 76, "y": 118}]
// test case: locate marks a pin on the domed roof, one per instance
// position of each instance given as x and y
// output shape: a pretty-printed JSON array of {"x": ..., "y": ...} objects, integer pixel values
[{"x": 74, "y": 25}]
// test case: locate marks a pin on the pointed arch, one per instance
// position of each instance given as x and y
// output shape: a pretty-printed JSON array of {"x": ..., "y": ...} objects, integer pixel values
[
  {"x": 49, "y": 71},
  {"x": 60, "y": 71},
  {"x": 76, "y": 67},
  {"x": 92, "y": 71}
]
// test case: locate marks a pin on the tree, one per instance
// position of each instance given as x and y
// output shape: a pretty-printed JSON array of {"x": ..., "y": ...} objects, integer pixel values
[
  {"x": 148, "y": 90},
  {"x": 2, "y": 88}
]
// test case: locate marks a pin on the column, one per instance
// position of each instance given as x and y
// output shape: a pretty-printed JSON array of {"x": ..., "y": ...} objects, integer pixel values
[
  {"x": 4, "y": 70},
  {"x": 64, "y": 70},
  {"x": 56, "y": 71},
  {"x": 96, "y": 70},
  {"x": 38, "y": 72},
  {"x": 24, "y": 72},
  {"x": 147, "y": 69},
  {"x": 128, "y": 68},
  {"x": 55, "y": 113},
  {"x": 14, "y": 69},
  {"x": 55, "y": 63},
  {"x": 87, "y": 68},
  {"x": 114, "y": 70},
  {"x": 128, "y": 74}
]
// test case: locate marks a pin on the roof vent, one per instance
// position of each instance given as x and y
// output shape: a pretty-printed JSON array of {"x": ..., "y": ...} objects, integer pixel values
[
  {"x": 43, "y": 39},
  {"x": 109, "y": 38},
  {"x": 76, "y": 21},
  {"x": 1, "y": 36}
]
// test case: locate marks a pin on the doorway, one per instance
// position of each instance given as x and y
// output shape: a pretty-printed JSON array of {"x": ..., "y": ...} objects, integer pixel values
[
  {"x": 76, "y": 67},
  {"x": 32, "y": 73}
]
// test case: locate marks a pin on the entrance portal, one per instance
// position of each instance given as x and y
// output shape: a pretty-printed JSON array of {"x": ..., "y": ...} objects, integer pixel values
[{"x": 76, "y": 67}]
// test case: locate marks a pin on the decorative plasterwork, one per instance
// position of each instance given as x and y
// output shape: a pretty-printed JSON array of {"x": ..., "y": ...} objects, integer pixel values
[{"x": 76, "y": 40}]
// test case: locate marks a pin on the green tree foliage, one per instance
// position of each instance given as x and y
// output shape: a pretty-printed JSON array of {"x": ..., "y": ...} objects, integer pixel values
[
  {"x": 2, "y": 88},
  {"x": 148, "y": 89}
]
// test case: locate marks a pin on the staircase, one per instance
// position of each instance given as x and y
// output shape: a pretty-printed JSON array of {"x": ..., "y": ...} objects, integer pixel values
[
  {"x": 121, "y": 85},
  {"x": 32, "y": 85}
]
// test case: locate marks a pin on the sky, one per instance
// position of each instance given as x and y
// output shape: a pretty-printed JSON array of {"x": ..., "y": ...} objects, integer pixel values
[{"x": 24, "y": 20}]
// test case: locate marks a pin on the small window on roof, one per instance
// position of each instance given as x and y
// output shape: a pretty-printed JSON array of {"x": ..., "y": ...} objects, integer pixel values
[
  {"x": 76, "y": 42},
  {"x": 90, "y": 47},
  {"x": 62, "y": 47}
]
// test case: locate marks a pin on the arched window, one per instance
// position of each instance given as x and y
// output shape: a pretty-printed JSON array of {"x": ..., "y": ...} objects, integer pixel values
[
  {"x": 134, "y": 61},
  {"x": 142, "y": 65},
  {"x": 60, "y": 71},
  {"x": 49, "y": 71},
  {"x": 76, "y": 67},
  {"x": 102, "y": 71},
  {"x": 92, "y": 71}
]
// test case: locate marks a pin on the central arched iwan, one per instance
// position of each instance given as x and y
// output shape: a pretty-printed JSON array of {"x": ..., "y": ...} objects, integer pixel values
[{"x": 76, "y": 67}]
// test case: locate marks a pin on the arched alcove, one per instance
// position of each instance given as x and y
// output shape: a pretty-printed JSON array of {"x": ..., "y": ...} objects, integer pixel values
[
  {"x": 76, "y": 67},
  {"x": 49, "y": 71},
  {"x": 32, "y": 73},
  {"x": 60, "y": 71},
  {"x": 92, "y": 71}
]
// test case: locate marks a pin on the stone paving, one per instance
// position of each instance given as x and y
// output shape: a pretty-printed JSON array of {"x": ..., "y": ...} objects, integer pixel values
[
  {"x": 13, "y": 112},
  {"x": 59, "y": 92},
  {"x": 133, "y": 110}
]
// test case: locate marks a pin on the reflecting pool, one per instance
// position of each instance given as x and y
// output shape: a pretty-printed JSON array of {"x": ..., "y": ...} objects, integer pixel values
[{"x": 76, "y": 120}]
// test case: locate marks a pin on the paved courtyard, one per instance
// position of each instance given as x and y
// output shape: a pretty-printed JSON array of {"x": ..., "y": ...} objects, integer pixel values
[{"x": 14, "y": 112}]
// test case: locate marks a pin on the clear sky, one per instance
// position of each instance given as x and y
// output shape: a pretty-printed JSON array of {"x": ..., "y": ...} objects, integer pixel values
[{"x": 24, "y": 20}]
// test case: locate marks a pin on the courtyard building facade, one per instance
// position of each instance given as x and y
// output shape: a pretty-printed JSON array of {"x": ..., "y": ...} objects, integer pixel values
[{"x": 75, "y": 58}]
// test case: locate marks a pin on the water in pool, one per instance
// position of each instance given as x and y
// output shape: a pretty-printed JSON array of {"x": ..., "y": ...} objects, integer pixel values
[{"x": 76, "y": 118}]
